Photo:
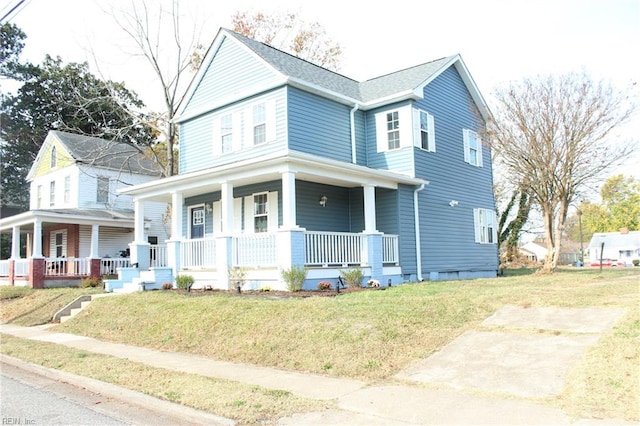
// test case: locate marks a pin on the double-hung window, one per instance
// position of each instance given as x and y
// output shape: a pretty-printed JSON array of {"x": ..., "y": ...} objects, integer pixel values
[
  {"x": 67, "y": 189},
  {"x": 260, "y": 213},
  {"x": 39, "y": 197},
  {"x": 472, "y": 148},
  {"x": 484, "y": 221},
  {"x": 52, "y": 193},
  {"x": 226, "y": 133},
  {"x": 426, "y": 137},
  {"x": 393, "y": 130},
  {"x": 259, "y": 124},
  {"x": 102, "y": 195}
]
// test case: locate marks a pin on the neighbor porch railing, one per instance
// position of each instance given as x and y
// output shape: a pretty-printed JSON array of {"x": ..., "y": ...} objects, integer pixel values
[
  {"x": 21, "y": 267},
  {"x": 110, "y": 265},
  {"x": 390, "y": 251},
  {"x": 333, "y": 248},
  {"x": 4, "y": 268},
  {"x": 60, "y": 267},
  {"x": 198, "y": 253},
  {"x": 254, "y": 250}
]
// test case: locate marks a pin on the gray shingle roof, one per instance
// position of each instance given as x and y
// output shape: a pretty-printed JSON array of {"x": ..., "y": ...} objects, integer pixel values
[
  {"x": 112, "y": 155},
  {"x": 376, "y": 88}
]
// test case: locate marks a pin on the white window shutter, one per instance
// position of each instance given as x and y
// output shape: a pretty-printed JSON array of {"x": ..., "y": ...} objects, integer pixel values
[
  {"x": 465, "y": 138},
  {"x": 476, "y": 224},
  {"x": 271, "y": 120},
  {"x": 217, "y": 137},
  {"x": 217, "y": 218},
  {"x": 406, "y": 133},
  {"x": 248, "y": 215},
  {"x": 272, "y": 211},
  {"x": 237, "y": 215},
  {"x": 381, "y": 132},
  {"x": 417, "y": 132},
  {"x": 431, "y": 125}
]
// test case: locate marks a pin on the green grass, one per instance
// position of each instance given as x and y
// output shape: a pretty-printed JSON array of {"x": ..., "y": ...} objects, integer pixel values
[{"x": 371, "y": 335}]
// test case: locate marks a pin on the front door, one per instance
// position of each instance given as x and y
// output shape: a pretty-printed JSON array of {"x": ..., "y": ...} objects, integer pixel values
[{"x": 197, "y": 222}]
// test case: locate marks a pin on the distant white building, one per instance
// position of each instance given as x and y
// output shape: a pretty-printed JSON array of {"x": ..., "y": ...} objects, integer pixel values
[{"x": 612, "y": 247}]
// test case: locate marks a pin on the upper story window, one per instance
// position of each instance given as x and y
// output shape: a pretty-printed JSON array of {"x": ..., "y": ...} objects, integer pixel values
[
  {"x": 393, "y": 130},
  {"x": 485, "y": 226},
  {"x": 102, "y": 195},
  {"x": 52, "y": 193},
  {"x": 67, "y": 189},
  {"x": 472, "y": 148},
  {"x": 427, "y": 137},
  {"x": 226, "y": 133},
  {"x": 259, "y": 124},
  {"x": 54, "y": 157}
]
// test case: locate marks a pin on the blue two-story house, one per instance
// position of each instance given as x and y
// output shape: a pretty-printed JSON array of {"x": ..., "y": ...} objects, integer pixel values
[{"x": 285, "y": 163}]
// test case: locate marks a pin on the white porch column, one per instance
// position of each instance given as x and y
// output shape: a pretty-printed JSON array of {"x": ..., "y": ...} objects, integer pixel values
[
  {"x": 138, "y": 206},
  {"x": 226, "y": 198},
  {"x": 369, "y": 209},
  {"x": 95, "y": 236},
  {"x": 15, "y": 243},
  {"x": 37, "y": 239},
  {"x": 289, "y": 200},
  {"x": 176, "y": 215}
]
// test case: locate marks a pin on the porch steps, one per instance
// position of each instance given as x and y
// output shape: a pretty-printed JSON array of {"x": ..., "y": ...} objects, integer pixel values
[
  {"x": 75, "y": 307},
  {"x": 131, "y": 280}
]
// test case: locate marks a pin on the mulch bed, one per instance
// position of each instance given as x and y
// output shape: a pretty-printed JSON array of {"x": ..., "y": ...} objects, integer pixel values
[{"x": 274, "y": 294}]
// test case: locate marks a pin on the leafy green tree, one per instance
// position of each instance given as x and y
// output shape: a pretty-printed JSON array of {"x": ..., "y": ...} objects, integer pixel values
[{"x": 11, "y": 45}]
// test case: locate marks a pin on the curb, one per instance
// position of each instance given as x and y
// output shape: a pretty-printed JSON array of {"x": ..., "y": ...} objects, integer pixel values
[{"x": 188, "y": 414}]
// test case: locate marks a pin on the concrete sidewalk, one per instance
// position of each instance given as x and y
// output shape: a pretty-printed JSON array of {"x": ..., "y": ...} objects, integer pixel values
[{"x": 479, "y": 377}]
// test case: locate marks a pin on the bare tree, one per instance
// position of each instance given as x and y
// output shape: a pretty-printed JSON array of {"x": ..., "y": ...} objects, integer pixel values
[
  {"x": 160, "y": 39},
  {"x": 557, "y": 134},
  {"x": 288, "y": 32}
]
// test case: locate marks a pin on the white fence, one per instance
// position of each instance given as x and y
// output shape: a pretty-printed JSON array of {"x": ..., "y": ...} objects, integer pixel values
[
  {"x": 255, "y": 250},
  {"x": 21, "y": 268},
  {"x": 110, "y": 265},
  {"x": 59, "y": 267},
  {"x": 159, "y": 257},
  {"x": 198, "y": 253},
  {"x": 390, "y": 252},
  {"x": 333, "y": 248},
  {"x": 4, "y": 268}
]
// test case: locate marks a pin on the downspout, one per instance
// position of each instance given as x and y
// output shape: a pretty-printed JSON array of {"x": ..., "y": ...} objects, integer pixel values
[
  {"x": 416, "y": 212},
  {"x": 353, "y": 132}
]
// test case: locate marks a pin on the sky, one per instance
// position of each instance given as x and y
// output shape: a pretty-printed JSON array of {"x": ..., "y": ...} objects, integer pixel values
[{"x": 499, "y": 40}]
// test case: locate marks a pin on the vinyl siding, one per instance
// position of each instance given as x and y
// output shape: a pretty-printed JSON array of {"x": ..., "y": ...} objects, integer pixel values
[
  {"x": 318, "y": 126},
  {"x": 110, "y": 243},
  {"x": 233, "y": 70},
  {"x": 407, "y": 230},
  {"x": 198, "y": 153},
  {"x": 447, "y": 236},
  {"x": 335, "y": 216},
  {"x": 398, "y": 160}
]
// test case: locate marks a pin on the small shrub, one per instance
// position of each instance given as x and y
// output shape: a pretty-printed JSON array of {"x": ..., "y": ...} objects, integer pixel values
[
  {"x": 294, "y": 277},
  {"x": 236, "y": 277},
  {"x": 91, "y": 282},
  {"x": 184, "y": 282},
  {"x": 265, "y": 288},
  {"x": 353, "y": 276},
  {"x": 636, "y": 262},
  {"x": 373, "y": 283},
  {"x": 167, "y": 286},
  {"x": 324, "y": 285}
]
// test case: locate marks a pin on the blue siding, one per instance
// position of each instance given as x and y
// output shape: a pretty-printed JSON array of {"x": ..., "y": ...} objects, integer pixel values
[
  {"x": 447, "y": 233},
  {"x": 233, "y": 70},
  {"x": 311, "y": 216},
  {"x": 318, "y": 126},
  {"x": 361, "y": 137},
  {"x": 356, "y": 209},
  {"x": 387, "y": 213},
  {"x": 198, "y": 153},
  {"x": 407, "y": 231},
  {"x": 398, "y": 160}
]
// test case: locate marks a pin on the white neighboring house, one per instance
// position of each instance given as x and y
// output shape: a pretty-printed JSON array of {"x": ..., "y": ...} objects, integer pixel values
[
  {"x": 620, "y": 248},
  {"x": 77, "y": 214},
  {"x": 533, "y": 251}
]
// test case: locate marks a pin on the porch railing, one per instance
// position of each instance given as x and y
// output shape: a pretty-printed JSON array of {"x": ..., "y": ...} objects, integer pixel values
[
  {"x": 333, "y": 248},
  {"x": 21, "y": 267},
  {"x": 390, "y": 251},
  {"x": 257, "y": 250},
  {"x": 198, "y": 253},
  {"x": 159, "y": 257},
  {"x": 57, "y": 267},
  {"x": 110, "y": 265},
  {"x": 4, "y": 268}
]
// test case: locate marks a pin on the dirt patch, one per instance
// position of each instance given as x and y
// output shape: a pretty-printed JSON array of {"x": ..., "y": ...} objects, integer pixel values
[{"x": 272, "y": 294}]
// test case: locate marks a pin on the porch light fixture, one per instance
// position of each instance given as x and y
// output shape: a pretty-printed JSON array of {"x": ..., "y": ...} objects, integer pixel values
[
  {"x": 453, "y": 203},
  {"x": 208, "y": 208},
  {"x": 323, "y": 200}
]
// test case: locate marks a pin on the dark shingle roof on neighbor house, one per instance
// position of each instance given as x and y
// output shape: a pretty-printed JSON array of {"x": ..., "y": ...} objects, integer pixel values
[
  {"x": 376, "y": 88},
  {"x": 113, "y": 155}
]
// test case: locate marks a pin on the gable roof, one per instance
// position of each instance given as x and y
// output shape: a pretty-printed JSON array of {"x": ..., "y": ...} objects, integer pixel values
[
  {"x": 622, "y": 241},
  {"x": 403, "y": 84},
  {"x": 102, "y": 153}
]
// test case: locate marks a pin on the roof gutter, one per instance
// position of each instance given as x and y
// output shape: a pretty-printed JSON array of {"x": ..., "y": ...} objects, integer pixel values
[{"x": 416, "y": 212}]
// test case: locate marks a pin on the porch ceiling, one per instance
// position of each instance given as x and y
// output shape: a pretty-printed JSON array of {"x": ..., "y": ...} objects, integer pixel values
[
  {"x": 307, "y": 167},
  {"x": 112, "y": 218}
]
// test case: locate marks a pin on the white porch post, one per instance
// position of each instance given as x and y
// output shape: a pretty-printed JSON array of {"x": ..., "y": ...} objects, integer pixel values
[
  {"x": 289, "y": 200},
  {"x": 15, "y": 243},
  {"x": 95, "y": 236},
  {"x": 369, "y": 209},
  {"x": 37, "y": 239},
  {"x": 140, "y": 248},
  {"x": 226, "y": 198},
  {"x": 173, "y": 244}
]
